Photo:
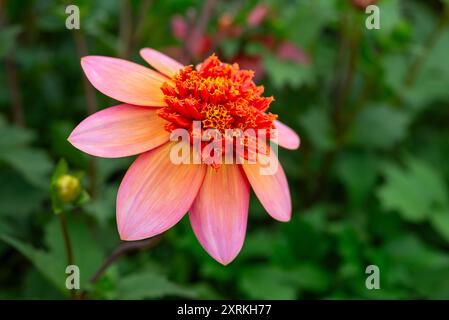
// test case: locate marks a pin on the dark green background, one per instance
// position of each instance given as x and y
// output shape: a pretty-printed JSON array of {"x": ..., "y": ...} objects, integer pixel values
[{"x": 369, "y": 183}]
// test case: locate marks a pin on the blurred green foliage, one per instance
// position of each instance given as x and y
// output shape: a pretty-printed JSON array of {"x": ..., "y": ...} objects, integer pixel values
[{"x": 369, "y": 184}]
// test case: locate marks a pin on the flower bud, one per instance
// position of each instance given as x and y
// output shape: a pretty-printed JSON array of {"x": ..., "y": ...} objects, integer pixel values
[{"x": 68, "y": 188}]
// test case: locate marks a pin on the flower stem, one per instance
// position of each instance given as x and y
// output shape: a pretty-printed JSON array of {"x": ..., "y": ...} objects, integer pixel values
[
  {"x": 122, "y": 249},
  {"x": 67, "y": 242},
  {"x": 433, "y": 38},
  {"x": 125, "y": 29},
  {"x": 68, "y": 245},
  {"x": 12, "y": 78}
]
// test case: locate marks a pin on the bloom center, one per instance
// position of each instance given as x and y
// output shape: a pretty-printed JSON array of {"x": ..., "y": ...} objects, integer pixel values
[{"x": 219, "y": 95}]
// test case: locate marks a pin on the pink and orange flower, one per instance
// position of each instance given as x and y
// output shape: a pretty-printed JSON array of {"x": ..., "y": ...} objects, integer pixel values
[{"x": 155, "y": 193}]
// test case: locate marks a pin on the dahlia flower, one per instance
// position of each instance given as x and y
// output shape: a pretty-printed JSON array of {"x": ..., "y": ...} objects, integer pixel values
[{"x": 156, "y": 192}]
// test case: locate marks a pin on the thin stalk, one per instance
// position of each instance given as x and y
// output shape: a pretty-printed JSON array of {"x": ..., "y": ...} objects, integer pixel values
[
  {"x": 122, "y": 249},
  {"x": 67, "y": 242},
  {"x": 433, "y": 38},
  {"x": 68, "y": 245},
  {"x": 12, "y": 78},
  {"x": 125, "y": 32}
]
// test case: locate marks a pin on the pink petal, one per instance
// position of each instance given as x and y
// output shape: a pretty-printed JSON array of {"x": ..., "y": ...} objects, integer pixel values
[
  {"x": 287, "y": 138},
  {"x": 220, "y": 212},
  {"x": 257, "y": 15},
  {"x": 125, "y": 81},
  {"x": 271, "y": 190},
  {"x": 120, "y": 131},
  {"x": 161, "y": 62},
  {"x": 155, "y": 194},
  {"x": 291, "y": 52}
]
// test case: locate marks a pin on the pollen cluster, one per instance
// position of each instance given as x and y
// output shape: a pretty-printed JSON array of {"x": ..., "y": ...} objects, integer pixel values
[{"x": 219, "y": 95}]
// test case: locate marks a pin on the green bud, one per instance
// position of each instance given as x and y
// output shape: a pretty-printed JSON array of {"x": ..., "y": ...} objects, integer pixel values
[{"x": 68, "y": 188}]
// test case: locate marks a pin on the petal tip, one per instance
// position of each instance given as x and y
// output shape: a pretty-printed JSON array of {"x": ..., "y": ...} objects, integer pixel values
[{"x": 223, "y": 260}]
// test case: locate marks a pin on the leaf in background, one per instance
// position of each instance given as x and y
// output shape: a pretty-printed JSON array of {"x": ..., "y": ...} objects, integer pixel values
[
  {"x": 8, "y": 35},
  {"x": 311, "y": 277},
  {"x": 13, "y": 136},
  {"x": 379, "y": 126},
  {"x": 358, "y": 173},
  {"x": 285, "y": 73},
  {"x": 440, "y": 222},
  {"x": 309, "y": 18},
  {"x": 50, "y": 266},
  {"x": 418, "y": 267},
  {"x": 273, "y": 282},
  {"x": 432, "y": 79},
  {"x": 87, "y": 254},
  {"x": 391, "y": 16},
  {"x": 102, "y": 208},
  {"x": 51, "y": 263},
  {"x": 318, "y": 128},
  {"x": 415, "y": 192},
  {"x": 37, "y": 287},
  {"x": 259, "y": 244},
  {"x": 148, "y": 285},
  {"x": 17, "y": 197},
  {"x": 268, "y": 282},
  {"x": 33, "y": 164}
]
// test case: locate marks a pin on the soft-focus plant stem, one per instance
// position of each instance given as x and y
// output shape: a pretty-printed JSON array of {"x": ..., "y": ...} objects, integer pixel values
[
  {"x": 12, "y": 78},
  {"x": 345, "y": 70},
  {"x": 122, "y": 249},
  {"x": 65, "y": 233},
  {"x": 140, "y": 31},
  {"x": 350, "y": 37},
  {"x": 68, "y": 244},
  {"x": 125, "y": 32},
  {"x": 440, "y": 27}
]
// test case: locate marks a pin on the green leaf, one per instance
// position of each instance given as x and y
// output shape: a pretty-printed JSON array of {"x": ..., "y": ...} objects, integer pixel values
[
  {"x": 148, "y": 285},
  {"x": 318, "y": 128},
  {"x": 17, "y": 197},
  {"x": 33, "y": 164},
  {"x": 285, "y": 73},
  {"x": 48, "y": 265},
  {"x": 269, "y": 282},
  {"x": 309, "y": 18},
  {"x": 311, "y": 277},
  {"x": 8, "y": 35},
  {"x": 52, "y": 263},
  {"x": 87, "y": 254},
  {"x": 390, "y": 11},
  {"x": 415, "y": 192},
  {"x": 379, "y": 126},
  {"x": 440, "y": 222},
  {"x": 12, "y": 136},
  {"x": 358, "y": 173}
]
